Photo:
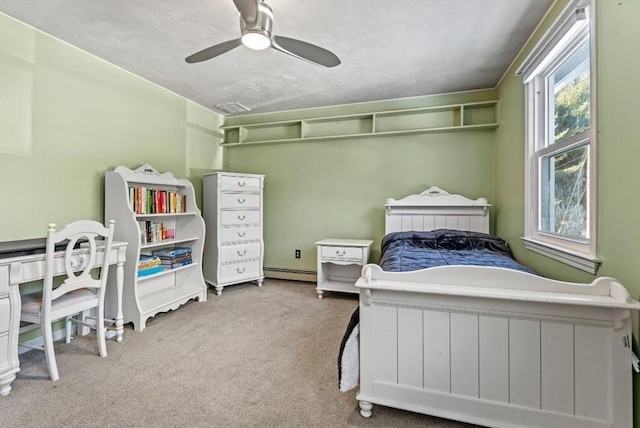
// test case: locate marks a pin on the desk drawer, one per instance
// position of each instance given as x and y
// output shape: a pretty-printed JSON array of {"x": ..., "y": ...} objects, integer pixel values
[
  {"x": 79, "y": 262},
  {"x": 4, "y": 281},
  {"x": 5, "y": 310},
  {"x": 240, "y": 200},
  {"x": 241, "y": 234},
  {"x": 232, "y": 183},
  {"x": 341, "y": 253}
]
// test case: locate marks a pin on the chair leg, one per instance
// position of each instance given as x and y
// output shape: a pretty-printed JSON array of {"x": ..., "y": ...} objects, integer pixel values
[
  {"x": 101, "y": 331},
  {"x": 47, "y": 336},
  {"x": 68, "y": 329},
  {"x": 82, "y": 329}
]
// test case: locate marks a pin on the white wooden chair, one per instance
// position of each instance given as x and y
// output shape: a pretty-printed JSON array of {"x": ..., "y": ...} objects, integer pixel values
[{"x": 80, "y": 291}]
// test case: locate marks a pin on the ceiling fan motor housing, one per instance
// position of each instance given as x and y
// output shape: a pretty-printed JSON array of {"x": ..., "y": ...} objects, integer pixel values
[{"x": 263, "y": 24}]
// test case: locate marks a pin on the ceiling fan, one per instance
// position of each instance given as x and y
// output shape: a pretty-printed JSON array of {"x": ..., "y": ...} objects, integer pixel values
[{"x": 256, "y": 24}]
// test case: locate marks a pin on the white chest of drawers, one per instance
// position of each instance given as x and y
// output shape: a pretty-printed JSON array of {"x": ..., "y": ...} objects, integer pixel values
[{"x": 232, "y": 211}]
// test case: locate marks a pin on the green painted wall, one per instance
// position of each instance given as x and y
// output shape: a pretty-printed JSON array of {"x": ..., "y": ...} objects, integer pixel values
[
  {"x": 337, "y": 189},
  {"x": 618, "y": 153},
  {"x": 66, "y": 117}
]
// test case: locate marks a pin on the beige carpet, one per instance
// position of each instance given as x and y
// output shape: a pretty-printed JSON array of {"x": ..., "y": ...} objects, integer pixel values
[{"x": 253, "y": 357}]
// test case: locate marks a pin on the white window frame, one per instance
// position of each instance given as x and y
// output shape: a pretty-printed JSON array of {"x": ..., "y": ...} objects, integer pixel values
[{"x": 573, "y": 26}]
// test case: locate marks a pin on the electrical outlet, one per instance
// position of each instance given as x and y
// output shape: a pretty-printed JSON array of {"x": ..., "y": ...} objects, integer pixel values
[{"x": 297, "y": 254}]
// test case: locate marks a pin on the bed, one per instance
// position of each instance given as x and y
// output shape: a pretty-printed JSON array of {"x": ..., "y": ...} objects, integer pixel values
[{"x": 492, "y": 345}]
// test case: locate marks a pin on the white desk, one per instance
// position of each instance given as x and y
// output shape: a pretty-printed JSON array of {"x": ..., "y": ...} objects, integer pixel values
[{"x": 26, "y": 263}]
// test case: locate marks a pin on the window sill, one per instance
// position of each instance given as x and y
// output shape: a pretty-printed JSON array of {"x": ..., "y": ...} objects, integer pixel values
[{"x": 581, "y": 261}]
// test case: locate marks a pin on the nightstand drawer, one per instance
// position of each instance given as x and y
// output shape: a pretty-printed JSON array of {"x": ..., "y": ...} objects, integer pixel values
[
  {"x": 239, "y": 218},
  {"x": 240, "y": 184},
  {"x": 341, "y": 253},
  {"x": 240, "y": 200}
]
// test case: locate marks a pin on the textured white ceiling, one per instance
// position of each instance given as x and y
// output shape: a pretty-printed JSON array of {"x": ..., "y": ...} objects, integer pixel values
[{"x": 388, "y": 48}]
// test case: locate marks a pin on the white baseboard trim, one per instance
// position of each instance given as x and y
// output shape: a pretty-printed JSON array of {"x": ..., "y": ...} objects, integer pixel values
[{"x": 291, "y": 274}]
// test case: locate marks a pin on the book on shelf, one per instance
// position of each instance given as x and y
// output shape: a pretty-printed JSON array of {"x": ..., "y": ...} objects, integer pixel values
[
  {"x": 150, "y": 270},
  {"x": 149, "y": 264},
  {"x": 154, "y": 201},
  {"x": 172, "y": 252},
  {"x": 168, "y": 266},
  {"x": 152, "y": 232},
  {"x": 169, "y": 233},
  {"x": 177, "y": 259},
  {"x": 148, "y": 260}
]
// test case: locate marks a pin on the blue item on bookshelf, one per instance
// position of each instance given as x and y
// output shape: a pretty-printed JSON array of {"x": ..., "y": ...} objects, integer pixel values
[
  {"x": 169, "y": 266},
  {"x": 172, "y": 252},
  {"x": 150, "y": 271}
]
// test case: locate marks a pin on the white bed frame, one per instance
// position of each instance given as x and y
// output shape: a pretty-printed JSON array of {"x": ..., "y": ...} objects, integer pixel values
[{"x": 491, "y": 346}]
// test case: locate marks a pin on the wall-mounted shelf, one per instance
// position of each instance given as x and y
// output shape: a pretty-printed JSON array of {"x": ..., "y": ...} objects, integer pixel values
[{"x": 458, "y": 117}]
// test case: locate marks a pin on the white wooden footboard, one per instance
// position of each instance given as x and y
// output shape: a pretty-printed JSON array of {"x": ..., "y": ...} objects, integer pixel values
[{"x": 496, "y": 347}]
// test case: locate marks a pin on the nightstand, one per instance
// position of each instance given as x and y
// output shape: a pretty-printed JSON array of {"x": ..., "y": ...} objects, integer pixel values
[{"x": 340, "y": 262}]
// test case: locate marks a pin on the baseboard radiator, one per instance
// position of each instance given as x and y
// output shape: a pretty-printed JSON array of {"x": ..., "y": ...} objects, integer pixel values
[{"x": 290, "y": 274}]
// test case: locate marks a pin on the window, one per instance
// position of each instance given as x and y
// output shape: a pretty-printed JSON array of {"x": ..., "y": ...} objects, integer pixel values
[{"x": 560, "y": 148}]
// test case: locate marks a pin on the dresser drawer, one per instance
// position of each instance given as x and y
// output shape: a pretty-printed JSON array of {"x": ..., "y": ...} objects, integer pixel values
[
  {"x": 231, "y": 183},
  {"x": 239, "y": 252},
  {"x": 235, "y": 272},
  {"x": 239, "y": 218},
  {"x": 240, "y": 200},
  {"x": 240, "y": 234},
  {"x": 341, "y": 253}
]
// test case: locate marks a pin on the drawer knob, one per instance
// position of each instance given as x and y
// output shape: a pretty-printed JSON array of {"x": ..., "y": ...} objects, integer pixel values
[
  {"x": 241, "y": 217},
  {"x": 241, "y": 270},
  {"x": 341, "y": 253},
  {"x": 241, "y": 200},
  {"x": 241, "y": 234},
  {"x": 241, "y": 183},
  {"x": 242, "y": 253}
]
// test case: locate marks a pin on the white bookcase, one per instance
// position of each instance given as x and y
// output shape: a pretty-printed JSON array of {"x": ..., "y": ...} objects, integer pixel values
[{"x": 146, "y": 296}]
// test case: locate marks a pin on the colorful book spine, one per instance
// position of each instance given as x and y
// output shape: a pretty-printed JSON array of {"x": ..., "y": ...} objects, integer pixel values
[
  {"x": 148, "y": 261},
  {"x": 150, "y": 271},
  {"x": 154, "y": 201}
]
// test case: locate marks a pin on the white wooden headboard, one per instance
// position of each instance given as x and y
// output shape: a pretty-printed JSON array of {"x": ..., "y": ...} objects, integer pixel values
[{"x": 436, "y": 209}]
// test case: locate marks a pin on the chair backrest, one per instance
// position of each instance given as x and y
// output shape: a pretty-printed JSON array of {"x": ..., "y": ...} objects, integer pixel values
[{"x": 86, "y": 236}]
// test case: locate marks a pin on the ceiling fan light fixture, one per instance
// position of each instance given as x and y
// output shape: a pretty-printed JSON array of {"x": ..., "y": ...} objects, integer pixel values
[
  {"x": 257, "y": 40},
  {"x": 256, "y": 29}
]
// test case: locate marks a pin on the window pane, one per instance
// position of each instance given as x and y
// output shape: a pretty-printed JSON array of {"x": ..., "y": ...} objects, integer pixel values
[
  {"x": 570, "y": 95},
  {"x": 564, "y": 196}
]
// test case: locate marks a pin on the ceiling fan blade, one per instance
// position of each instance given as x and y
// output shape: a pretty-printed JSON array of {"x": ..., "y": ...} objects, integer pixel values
[
  {"x": 248, "y": 10},
  {"x": 213, "y": 51},
  {"x": 306, "y": 51}
]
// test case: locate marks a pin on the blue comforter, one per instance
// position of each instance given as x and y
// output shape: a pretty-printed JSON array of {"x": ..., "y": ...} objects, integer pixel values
[{"x": 407, "y": 251}]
